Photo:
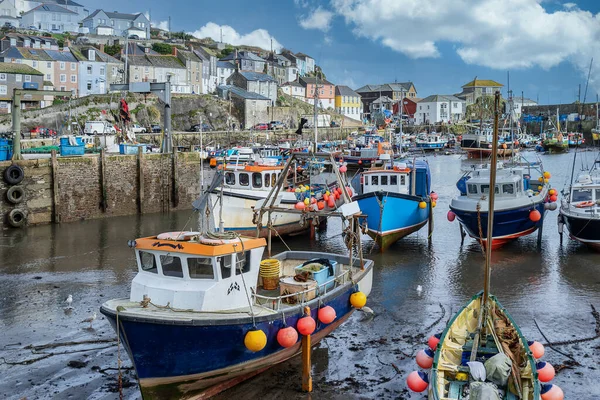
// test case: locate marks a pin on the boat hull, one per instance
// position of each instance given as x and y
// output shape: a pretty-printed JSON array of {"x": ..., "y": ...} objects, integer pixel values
[
  {"x": 508, "y": 224},
  {"x": 392, "y": 216},
  {"x": 584, "y": 230},
  {"x": 431, "y": 146},
  {"x": 476, "y": 152}
]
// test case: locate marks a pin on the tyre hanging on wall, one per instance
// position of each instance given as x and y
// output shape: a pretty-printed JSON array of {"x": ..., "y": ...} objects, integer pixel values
[
  {"x": 17, "y": 218},
  {"x": 15, "y": 194},
  {"x": 13, "y": 174}
]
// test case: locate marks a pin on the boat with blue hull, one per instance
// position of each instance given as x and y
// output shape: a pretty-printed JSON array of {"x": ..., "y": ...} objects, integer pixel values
[
  {"x": 196, "y": 298},
  {"x": 396, "y": 201},
  {"x": 430, "y": 141},
  {"x": 521, "y": 201}
]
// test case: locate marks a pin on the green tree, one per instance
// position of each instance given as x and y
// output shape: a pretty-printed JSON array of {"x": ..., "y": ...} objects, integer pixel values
[
  {"x": 162, "y": 48},
  {"x": 112, "y": 50}
]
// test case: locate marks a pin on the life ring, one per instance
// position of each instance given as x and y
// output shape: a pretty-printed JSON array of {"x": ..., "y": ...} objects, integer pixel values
[
  {"x": 217, "y": 242},
  {"x": 585, "y": 204},
  {"x": 15, "y": 194},
  {"x": 179, "y": 236},
  {"x": 14, "y": 174},
  {"x": 17, "y": 218}
]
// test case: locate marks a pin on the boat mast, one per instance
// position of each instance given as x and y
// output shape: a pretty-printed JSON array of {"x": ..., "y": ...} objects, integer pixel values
[
  {"x": 579, "y": 112},
  {"x": 315, "y": 116},
  {"x": 491, "y": 197}
]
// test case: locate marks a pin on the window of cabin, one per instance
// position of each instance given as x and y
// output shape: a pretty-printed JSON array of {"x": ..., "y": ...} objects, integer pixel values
[
  {"x": 403, "y": 180},
  {"x": 508, "y": 188},
  {"x": 256, "y": 180},
  {"x": 230, "y": 178},
  {"x": 225, "y": 265},
  {"x": 171, "y": 266},
  {"x": 243, "y": 262},
  {"x": 394, "y": 180},
  {"x": 267, "y": 180},
  {"x": 244, "y": 179},
  {"x": 384, "y": 180},
  {"x": 485, "y": 189},
  {"x": 374, "y": 180},
  {"x": 582, "y": 195},
  {"x": 273, "y": 179},
  {"x": 472, "y": 189},
  {"x": 200, "y": 268},
  {"x": 148, "y": 262}
]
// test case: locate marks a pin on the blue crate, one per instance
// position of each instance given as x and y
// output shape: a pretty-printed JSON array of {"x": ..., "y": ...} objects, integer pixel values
[
  {"x": 321, "y": 276},
  {"x": 6, "y": 150},
  {"x": 64, "y": 141},
  {"x": 125, "y": 148},
  {"x": 66, "y": 150}
]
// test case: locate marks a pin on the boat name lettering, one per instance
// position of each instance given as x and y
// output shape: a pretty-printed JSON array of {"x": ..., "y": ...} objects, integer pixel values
[
  {"x": 233, "y": 286},
  {"x": 173, "y": 246}
]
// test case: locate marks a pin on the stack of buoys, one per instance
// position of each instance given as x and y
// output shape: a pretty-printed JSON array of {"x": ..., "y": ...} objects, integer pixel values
[
  {"x": 269, "y": 272},
  {"x": 552, "y": 195},
  {"x": 545, "y": 372},
  {"x": 418, "y": 381}
]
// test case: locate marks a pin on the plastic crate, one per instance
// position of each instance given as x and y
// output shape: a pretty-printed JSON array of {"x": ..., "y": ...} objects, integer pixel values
[
  {"x": 5, "y": 149},
  {"x": 64, "y": 141},
  {"x": 125, "y": 148},
  {"x": 321, "y": 276},
  {"x": 72, "y": 150}
]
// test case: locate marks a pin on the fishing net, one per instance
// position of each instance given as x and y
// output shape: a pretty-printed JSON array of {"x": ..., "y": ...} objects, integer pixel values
[{"x": 511, "y": 344}]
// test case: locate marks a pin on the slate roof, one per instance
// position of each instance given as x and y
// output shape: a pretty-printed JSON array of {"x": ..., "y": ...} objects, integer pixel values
[
  {"x": 243, "y": 55},
  {"x": 256, "y": 76},
  {"x": 165, "y": 61},
  {"x": 383, "y": 99},
  {"x": 189, "y": 55},
  {"x": 63, "y": 2},
  {"x": 244, "y": 94},
  {"x": 58, "y": 55},
  {"x": 306, "y": 80},
  {"x": 10, "y": 68},
  {"x": 22, "y": 37},
  {"x": 302, "y": 55},
  {"x": 225, "y": 64},
  {"x": 138, "y": 60},
  {"x": 293, "y": 83},
  {"x": 436, "y": 98},
  {"x": 26, "y": 53},
  {"x": 386, "y": 87},
  {"x": 114, "y": 15},
  {"x": 483, "y": 83},
  {"x": 81, "y": 54},
  {"x": 51, "y": 8},
  {"x": 342, "y": 90}
]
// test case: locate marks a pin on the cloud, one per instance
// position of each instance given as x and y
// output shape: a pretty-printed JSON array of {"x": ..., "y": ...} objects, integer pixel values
[
  {"x": 569, "y": 6},
  {"x": 163, "y": 25},
  {"x": 259, "y": 37},
  {"x": 318, "y": 19},
  {"x": 499, "y": 34}
]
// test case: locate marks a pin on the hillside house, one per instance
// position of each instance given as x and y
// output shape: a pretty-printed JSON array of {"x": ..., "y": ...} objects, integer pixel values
[
  {"x": 51, "y": 18},
  {"x": 97, "y": 70},
  {"x": 9, "y": 13},
  {"x": 395, "y": 91},
  {"x": 477, "y": 88},
  {"x": 13, "y": 76},
  {"x": 102, "y": 22},
  {"x": 209, "y": 69},
  {"x": 22, "y": 6},
  {"x": 255, "y": 82},
  {"x": 248, "y": 107},
  {"x": 294, "y": 89},
  {"x": 347, "y": 102},
  {"x": 326, "y": 91},
  {"x": 193, "y": 66},
  {"x": 246, "y": 61},
  {"x": 224, "y": 70},
  {"x": 440, "y": 108}
]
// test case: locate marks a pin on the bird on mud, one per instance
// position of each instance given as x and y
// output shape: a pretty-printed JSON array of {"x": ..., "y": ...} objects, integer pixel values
[
  {"x": 419, "y": 289},
  {"x": 69, "y": 300},
  {"x": 90, "y": 320},
  {"x": 369, "y": 314}
]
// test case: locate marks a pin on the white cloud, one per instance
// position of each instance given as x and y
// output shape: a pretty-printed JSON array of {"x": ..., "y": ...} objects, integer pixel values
[
  {"x": 569, "y": 6},
  {"x": 258, "y": 37},
  {"x": 318, "y": 19},
  {"x": 500, "y": 34},
  {"x": 163, "y": 25}
]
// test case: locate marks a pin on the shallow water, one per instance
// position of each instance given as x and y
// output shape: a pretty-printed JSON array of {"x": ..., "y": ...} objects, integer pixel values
[{"x": 555, "y": 285}]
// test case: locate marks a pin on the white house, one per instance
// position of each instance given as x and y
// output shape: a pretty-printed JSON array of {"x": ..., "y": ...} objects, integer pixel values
[
  {"x": 440, "y": 108},
  {"x": 224, "y": 70},
  {"x": 294, "y": 89},
  {"x": 518, "y": 104},
  {"x": 8, "y": 13},
  {"x": 209, "y": 69},
  {"x": 22, "y": 6},
  {"x": 51, "y": 18},
  {"x": 309, "y": 63},
  {"x": 103, "y": 22}
]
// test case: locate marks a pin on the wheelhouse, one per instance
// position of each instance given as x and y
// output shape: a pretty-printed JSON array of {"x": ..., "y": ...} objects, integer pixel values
[
  {"x": 510, "y": 183},
  {"x": 395, "y": 181},
  {"x": 252, "y": 177},
  {"x": 585, "y": 194}
]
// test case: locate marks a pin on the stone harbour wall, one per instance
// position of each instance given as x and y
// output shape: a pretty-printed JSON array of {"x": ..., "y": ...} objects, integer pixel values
[{"x": 65, "y": 189}]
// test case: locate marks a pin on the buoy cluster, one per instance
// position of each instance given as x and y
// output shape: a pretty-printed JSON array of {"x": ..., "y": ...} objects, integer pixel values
[
  {"x": 256, "y": 339},
  {"x": 418, "y": 381},
  {"x": 315, "y": 198}
]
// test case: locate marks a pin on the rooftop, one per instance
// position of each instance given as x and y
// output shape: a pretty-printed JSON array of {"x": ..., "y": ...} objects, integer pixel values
[
  {"x": 436, "y": 98},
  {"x": 342, "y": 90},
  {"x": 293, "y": 83},
  {"x": 114, "y": 15},
  {"x": 225, "y": 64},
  {"x": 483, "y": 83},
  {"x": 386, "y": 87},
  {"x": 313, "y": 80},
  {"x": 383, "y": 99},
  {"x": 244, "y": 94},
  {"x": 9, "y": 68},
  {"x": 51, "y": 8},
  {"x": 256, "y": 76}
]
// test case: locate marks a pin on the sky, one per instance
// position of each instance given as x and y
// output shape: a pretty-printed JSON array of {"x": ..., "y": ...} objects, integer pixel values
[{"x": 546, "y": 46}]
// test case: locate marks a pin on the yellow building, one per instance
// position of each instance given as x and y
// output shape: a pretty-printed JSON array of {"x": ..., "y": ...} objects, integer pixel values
[{"x": 347, "y": 102}]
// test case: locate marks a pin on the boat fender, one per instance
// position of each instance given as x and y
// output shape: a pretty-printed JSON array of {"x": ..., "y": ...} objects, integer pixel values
[
  {"x": 14, "y": 174},
  {"x": 17, "y": 218},
  {"x": 15, "y": 194}
]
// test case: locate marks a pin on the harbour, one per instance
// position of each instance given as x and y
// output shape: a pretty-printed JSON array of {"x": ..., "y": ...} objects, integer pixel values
[{"x": 369, "y": 356}]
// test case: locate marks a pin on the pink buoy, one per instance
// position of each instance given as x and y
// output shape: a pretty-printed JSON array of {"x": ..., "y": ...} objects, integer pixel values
[
  {"x": 434, "y": 196},
  {"x": 417, "y": 381},
  {"x": 300, "y": 205},
  {"x": 349, "y": 191},
  {"x": 326, "y": 314},
  {"x": 287, "y": 337},
  {"x": 306, "y": 325},
  {"x": 433, "y": 341},
  {"x": 425, "y": 358},
  {"x": 545, "y": 371},
  {"x": 451, "y": 216},
  {"x": 537, "y": 349},
  {"x": 343, "y": 169},
  {"x": 551, "y": 392}
]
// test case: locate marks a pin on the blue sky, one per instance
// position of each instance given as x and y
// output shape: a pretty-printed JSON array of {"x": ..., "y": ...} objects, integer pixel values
[{"x": 439, "y": 45}]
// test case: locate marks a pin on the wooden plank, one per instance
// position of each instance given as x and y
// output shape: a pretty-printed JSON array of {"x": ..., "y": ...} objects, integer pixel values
[
  {"x": 175, "y": 189},
  {"x": 55, "y": 198},
  {"x": 103, "y": 199},
  {"x": 140, "y": 177}
]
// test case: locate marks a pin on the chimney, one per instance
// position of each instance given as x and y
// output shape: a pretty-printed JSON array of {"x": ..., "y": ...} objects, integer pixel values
[
  {"x": 146, "y": 50},
  {"x": 191, "y": 48},
  {"x": 102, "y": 47},
  {"x": 175, "y": 51},
  {"x": 67, "y": 43}
]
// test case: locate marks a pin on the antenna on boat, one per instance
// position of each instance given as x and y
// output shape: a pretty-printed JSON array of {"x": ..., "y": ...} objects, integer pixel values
[{"x": 580, "y": 107}]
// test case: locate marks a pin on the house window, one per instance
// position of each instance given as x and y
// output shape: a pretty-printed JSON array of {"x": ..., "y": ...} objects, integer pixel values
[
  {"x": 136, "y": 77},
  {"x": 48, "y": 65},
  {"x": 89, "y": 69},
  {"x": 34, "y": 64},
  {"x": 101, "y": 70},
  {"x": 48, "y": 77},
  {"x": 63, "y": 77},
  {"x": 18, "y": 78},
  {"x": 27, "y": 78},
  {"x": 62, "y": 65},
  {"x": 89, "y": 85},
  {"x": 73, "y": 78},
  {"x": 73, "y": 66},
  {"x": 2, "y": 77},
  {"x": 63, "y": 88},
  {"x": 3, "y": 89}
]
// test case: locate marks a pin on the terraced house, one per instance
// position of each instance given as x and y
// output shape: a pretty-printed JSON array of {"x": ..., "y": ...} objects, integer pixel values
[
  {"x": 153, "y": 67},
  {"x": 97, "y": 70},
  {"x": 102, "y": 22},
  {"x": 13, "y": 76},
  {"x": 347, "y": 102},
  {"x": 66, "y": 71},
  {"x": 35, "y": 58},
  {"x": 395, "y": 91}
]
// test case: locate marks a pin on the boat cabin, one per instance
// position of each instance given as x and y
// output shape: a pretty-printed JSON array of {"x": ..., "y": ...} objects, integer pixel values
[
  {"x": 196, "y": 273},
  {"x": 511, "y": 182},
  {"x": 386, "y": 180},
  {"x": 585, "y": 194},
  {"x": 252, "y": 177}
]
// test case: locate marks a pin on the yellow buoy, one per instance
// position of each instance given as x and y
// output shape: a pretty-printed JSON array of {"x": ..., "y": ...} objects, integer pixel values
[
  {"x": 547, "y": 175},
  {"x": 255, "y": 340},
  {"x": 358, "y": 299},
  {"x": 422, "y": 204},
  {"x": 546, "y": 180},
  {"x": 540, "y": 188},
  {"x": 433, "y": 204},
  {"x": 307, "y": 201},
  {"x": 541, "y": 179}
]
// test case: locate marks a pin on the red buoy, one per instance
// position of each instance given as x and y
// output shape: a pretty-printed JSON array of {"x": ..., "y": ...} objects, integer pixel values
[
  {"x": 321, "y": 205},
  {"x": 306, "y": 325},
  {"x": 545, "y": 371},
  {"x": 433, "y": 341},
  {"x": 537, "y": 349},
  {"x": 434, "y": 196},
  {"x": 551, "y": 392},
  {"x": 535, "y": 215},
  {"x": 425, "y": 358},
  {"x": 553, "y": 198},
  {"x": 326, "y": 314},
  {"x": 331, "y": 202},
  {"x": 343, "y": 169},
  {"x": 451, "y": 216},
  {"x": 417, "y": 381},
  {"x": 349, "y": 191},
  {"x": 300, "y": 205},
  {"x": 326, "y": 197},
  {"x": 313, "y": 200},
  {"x": 287, "y": 337}
]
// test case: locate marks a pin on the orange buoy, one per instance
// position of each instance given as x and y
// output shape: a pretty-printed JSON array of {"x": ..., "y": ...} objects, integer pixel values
[
  {"x": 326, "y": 197},
  {"x": 504, "y": 146},
  {"x": 535, "y": 216},
  {"x": 358, "y": 299},
  {"x": 553, "y": 198},
  {"x": 451, "y": 216},
  {"x": 547, "y": 175},
  {"x": 287, "y": 337},
  {"x": 337, "y": 195},
  {"x": 326, "y": 314},
  {"x": 331, "y": 202},
  {"x": 434, "y": 340},
  {"x": 425, "y": 358},
  {"x": 545, "y": 371},
  {"x": 300, "y": 205},
  {"x": 321, "y": 205},
  {"x": 552, "y": 192},
  {"x": 306, "y": 325},
  {"x": 349, "y": 191},
  {"x": 343, "y": 169},
  {"x": 537, "y": 349},
  {"x": 417, "y": 381},
  {"x": 551, "y": 392},
  {"x": 313, "y": 200}
]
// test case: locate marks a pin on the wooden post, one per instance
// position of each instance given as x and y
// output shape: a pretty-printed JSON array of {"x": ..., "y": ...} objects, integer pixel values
[
  {"x": 430, "y": 223},
  {"x": 103, "y": 199},
  {"x": 175, "y": 189},
  {"x": 312, "y": 230},
  {"x": 55, "y": 198},
  {"x": 306, "y": 363},
  {"x": 269, "y": 225},
  {"x": 140, "y": 176}
]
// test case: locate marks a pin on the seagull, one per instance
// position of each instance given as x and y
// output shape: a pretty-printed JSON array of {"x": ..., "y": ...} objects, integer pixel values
[
  {"x": 69, "y": 300},
  {"x": 419, "y": 289},
  {"x": 369, "y": 314},
  {"x": 90, "y": 320}
]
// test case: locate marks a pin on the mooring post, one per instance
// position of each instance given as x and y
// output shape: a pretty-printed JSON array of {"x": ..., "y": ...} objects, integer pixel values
[
  {"x": 561, "y": 225},
  {"x": 175, "y": 191},
  {"x": 103, "y": 200},
  {"x": 539, "y": 238},
  {"x": 430, "y": 223},
  {"x": 462, "y": 234},
  {"x": 55, "y": 198},
  {"x": 140, "y": 176},
  {"x": 306, "y": 363},
  {"x": 269, "y": 225}
]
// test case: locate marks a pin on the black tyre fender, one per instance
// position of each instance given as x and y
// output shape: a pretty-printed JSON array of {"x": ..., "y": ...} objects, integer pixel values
[
  {"x": 15, "y": 194},
  {"x": 13, "y": 174},
  {"x": 17, "y": 218}
]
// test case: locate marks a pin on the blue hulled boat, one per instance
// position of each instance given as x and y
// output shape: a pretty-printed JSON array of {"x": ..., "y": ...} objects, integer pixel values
[
  {"x": 520, "y": 203},
  {"x": 197, "y": 320},
  {"x": 430, "y": 141},
  {"x": 396, "y": 201}
]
